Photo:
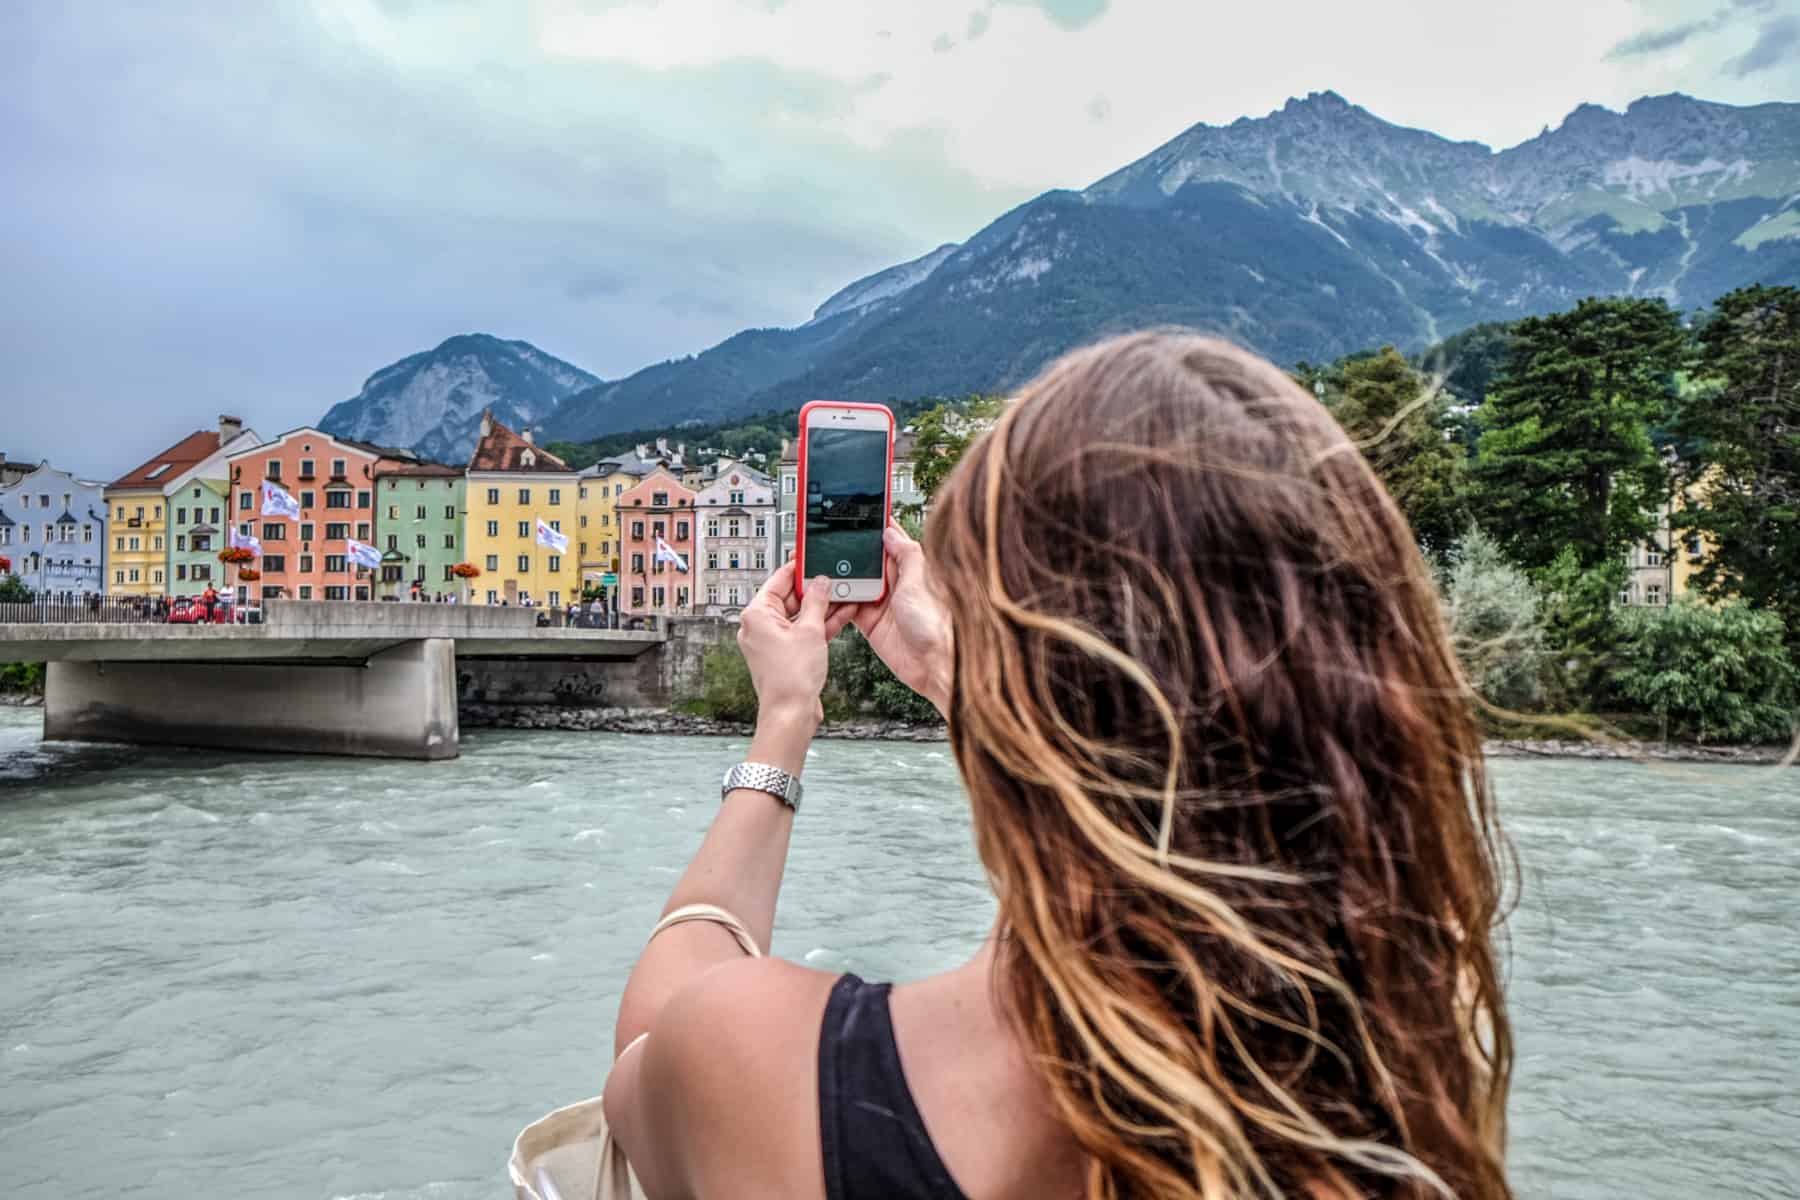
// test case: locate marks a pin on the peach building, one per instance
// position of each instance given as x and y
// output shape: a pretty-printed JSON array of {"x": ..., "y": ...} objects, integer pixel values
[
  {"x": 306, "y": 558},
  {"x": 659, "y": 507}
]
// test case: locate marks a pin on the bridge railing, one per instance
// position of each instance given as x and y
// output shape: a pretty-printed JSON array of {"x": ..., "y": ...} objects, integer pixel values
[{"x": 94, "y": 608}]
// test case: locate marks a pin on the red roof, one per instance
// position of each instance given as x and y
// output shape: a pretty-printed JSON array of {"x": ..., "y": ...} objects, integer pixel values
[
  {"x": 171, "y": 462},
  {"x": 500, "y": 449}
]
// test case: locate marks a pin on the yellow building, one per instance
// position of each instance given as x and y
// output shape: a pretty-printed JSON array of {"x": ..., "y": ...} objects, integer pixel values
[
  {"x": 597, "y": 530},
  {"x": 514, "y": 484},
  {"x": 137, "y": 561}
]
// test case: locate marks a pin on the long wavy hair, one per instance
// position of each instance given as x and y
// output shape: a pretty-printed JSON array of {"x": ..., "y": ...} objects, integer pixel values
[{"x": 1228, "y": 787}]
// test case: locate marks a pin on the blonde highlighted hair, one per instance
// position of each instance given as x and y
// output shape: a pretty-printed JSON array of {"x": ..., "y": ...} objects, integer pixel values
[{"x": 1228, "y": 786}]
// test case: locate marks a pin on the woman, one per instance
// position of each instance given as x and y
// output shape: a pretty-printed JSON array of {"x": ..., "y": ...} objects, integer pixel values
[{"x": 1232, "y": 803}]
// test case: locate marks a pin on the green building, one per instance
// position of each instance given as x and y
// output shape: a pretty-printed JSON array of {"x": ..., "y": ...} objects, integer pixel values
[
  {"x": 419, "y": 512},
  {"x": 199, "y": 518}
]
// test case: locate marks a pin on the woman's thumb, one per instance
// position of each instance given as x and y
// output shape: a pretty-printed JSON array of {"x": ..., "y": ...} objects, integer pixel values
[{"x": 816, "y": 601}]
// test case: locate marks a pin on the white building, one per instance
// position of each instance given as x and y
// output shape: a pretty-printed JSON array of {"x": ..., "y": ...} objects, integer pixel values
[{"x": 736, "y": 542}]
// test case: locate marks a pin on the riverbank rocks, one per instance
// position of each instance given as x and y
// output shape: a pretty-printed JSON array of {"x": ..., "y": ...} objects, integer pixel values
[
  {"x": 662, "y": 721},
  {"x": 22, "y": 699}
]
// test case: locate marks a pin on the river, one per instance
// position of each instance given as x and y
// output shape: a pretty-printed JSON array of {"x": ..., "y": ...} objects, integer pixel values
[{"x": 322, "y": 978}]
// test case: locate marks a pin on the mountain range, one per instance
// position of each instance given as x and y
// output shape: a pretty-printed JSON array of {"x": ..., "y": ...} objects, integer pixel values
[{"x": 1315, "y": 231}]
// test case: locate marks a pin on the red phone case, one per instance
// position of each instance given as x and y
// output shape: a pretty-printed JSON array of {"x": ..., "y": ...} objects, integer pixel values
[{"x": 887, "y": 493}]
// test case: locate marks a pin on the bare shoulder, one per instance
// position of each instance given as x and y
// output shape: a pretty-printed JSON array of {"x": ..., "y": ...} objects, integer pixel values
[{"x": 728, "y": 1088}]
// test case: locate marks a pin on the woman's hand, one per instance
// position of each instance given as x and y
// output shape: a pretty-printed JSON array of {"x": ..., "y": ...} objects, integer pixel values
[
  {"x": 909, "y": 629},
  {"x": 783, "y": 641}
]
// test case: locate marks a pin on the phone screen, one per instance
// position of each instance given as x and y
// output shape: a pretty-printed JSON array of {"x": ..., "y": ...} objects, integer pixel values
[{"x": 846, "y": 502}]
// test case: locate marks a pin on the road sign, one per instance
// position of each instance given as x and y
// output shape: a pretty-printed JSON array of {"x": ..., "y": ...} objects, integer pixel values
[{"x": 609, "y": 580}]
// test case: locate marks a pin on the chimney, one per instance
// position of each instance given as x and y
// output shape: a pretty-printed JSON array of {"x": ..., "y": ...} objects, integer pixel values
[
  {"x": 526, "y": 434},
  {"x": 681, "y": 451},
  {"x": 662, "y": 446},
  {"x": 229, "y": 428},
  {"x": 487, "y": 421},
  {"x": 643, "y": 451}
]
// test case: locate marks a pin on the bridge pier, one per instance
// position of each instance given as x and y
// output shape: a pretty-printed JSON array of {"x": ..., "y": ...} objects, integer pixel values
[{"x": 398, "y": 703}]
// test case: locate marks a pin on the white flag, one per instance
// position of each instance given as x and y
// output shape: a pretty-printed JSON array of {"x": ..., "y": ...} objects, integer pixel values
[
  {"x": 277, "y": 503},
  {"x": 547, "y": 536},
  {"x": 666, "y": 553},
  {"x": 364, "y": 555},
  {"x": 242, "y": 541}
]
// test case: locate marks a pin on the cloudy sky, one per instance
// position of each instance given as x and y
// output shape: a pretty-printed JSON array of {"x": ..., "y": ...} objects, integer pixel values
[{"x": 251, "y": 207}]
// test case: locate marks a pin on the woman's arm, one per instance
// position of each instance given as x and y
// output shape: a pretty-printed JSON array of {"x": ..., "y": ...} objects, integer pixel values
[{"x": 740, "y": 863}]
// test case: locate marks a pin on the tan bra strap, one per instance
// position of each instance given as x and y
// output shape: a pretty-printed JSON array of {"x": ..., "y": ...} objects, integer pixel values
[{"x": 716, "y": 915}]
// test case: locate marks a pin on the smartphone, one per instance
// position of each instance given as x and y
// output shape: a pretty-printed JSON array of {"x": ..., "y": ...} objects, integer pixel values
[{"x": 846, "y": 463}]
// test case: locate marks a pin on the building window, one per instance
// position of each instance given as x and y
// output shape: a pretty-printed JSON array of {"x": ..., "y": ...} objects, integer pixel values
[
  {"x": 555, "y": 562},
  {"x": 736, "y": 498},
  {"x": 657, "y": 528},
  {"x": 712, "y": 560},
  {"x": 493, "y": 529},
  {"x": 448, "y": 577},
  {"x": 493, "y": 497},
  {"x": 306, "y": 468},
  {"x": 275, "y": 563},
  {"x": 637, "y": 530},
  {"x": 243, "y": 504},
  {"x": 393, "y": 512},
  {"x": 337, "y": 531},
  {"x": 157, "y": 539},
  {"x": 762, "y": 560},
  {"x": 731, "y": 595},
  {"x": 362, "y": 591},
  {"x": 524, "y": 495},
  {"x": 524, "y": 529},
  {"x": 364, "y": 500},
  {"x": 420, "y": 538},
  {"x": 734, "y": 528},
  {"x": 306, "y": 591},
  {"x": 659, "y": 499},
  {"x": 1653, "y": 594},
  {"x": 419, "y": 513},
  {"x": 181, "y": 542},
  {"x": 732, "y": 561},
  {"x": 393, "y": 541},
  {"x": 362, "y": 531},
  {"x": 307, "y": 498},
  {"x": 493, "y": 562},
  {"x": 87, "y": 534},
  {"x": 712, "y": 593},
  {"x": 338, "y": 468},
  {"x": 493, "y": 596},
  {"x": 337, "y": 499},
  {"x": 762, "y": 527},
  {"x": 306, "y": 563},
  {"x": 556, "y": 495},
  {"x": 335, "y": 564},
  {"x": 787, "y": 523},
  {"x": 637, "y": 597},
  {"x": 180, "y": 572},
  {"x": 581, "y": 492},
  {"x": 787, "y": 484},
  {"x": 202, "y": 570},
  {"x": 637, "y": 564},
  {"x": 202, "y": 542},
  {"x": 274, "y": 531},
  {"x": 306, "y": 531},
  {"x": 156, "y": 576},
  {"x": 712, "y": 527},
  {"x": 658, "y": 596},
  {"x": 449, "y": 541},
  {"x": 681, "y": 597},
  {"x": 337, "y": 591},
  {"x": 274, "y": 468},
  {"x": 557, "y": 525},
  {"x": 118, "y": 577},
  {"x": 524, "y": 564},
  {"x": 449, "y": 512},
  {"x": 181, "y": 516},
  {"x": 1652, "y": 558}
]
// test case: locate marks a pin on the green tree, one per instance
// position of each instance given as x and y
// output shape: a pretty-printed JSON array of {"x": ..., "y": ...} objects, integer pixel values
[
  {"x": 1384, "y": 405},
  {"x": 1495, "y": 619},
  {"x": 1740, "y": 438},
  {"x": 1708, "y": 674},
  {"x": 1566, "y": 459},
  {"x": 943, "y": 434},
  {"x": 13, "y": 590},
  {"x": 1580, "y": 628}
]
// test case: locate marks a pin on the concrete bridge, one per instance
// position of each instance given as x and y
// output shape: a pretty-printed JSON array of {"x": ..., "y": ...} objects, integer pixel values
[{"x": 337, "y": 677}]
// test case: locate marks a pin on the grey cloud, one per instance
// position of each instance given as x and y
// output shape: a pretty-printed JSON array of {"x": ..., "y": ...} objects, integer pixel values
[
  {"x": 298, "y": 212},
  {"x": 1775, "y": 42},
  {"x": 942, "y": 43},
  {"x": 978, "y": 23},
  {"x": 1654, "y": 41}
]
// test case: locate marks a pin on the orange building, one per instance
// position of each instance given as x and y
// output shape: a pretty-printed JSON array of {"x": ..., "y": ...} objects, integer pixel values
[
  {"x": 658, "y": 507},
  {"x": 334, "y": 482}
]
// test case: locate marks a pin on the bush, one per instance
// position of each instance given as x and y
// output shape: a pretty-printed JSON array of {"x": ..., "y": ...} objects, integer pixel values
[
  {"x": 726, "y": 692},
  {"x": 1708, "y": 674},
  {"x": 13, "y": 590},
  {"x": 22, "y": 677},
  {"x": 1495, "y": 618}
]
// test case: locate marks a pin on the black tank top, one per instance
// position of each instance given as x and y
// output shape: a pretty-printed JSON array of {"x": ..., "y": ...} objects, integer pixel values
[{"x": 871, "y": 1135}]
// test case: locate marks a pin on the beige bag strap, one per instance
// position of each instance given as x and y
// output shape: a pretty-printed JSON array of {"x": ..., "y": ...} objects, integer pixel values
[
  {"x": 612, "y": 1178},
  {"x": 715, "y": 914}
]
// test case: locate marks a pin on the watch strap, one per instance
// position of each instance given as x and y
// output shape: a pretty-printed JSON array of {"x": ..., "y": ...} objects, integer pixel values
[{"x": 760, "y": 777}]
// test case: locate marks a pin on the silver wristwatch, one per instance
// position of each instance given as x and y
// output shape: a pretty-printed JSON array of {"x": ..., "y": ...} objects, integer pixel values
[{"x": 760, "y": 777}]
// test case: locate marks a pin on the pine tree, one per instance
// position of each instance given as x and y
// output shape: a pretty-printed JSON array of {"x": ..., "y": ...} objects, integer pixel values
[
  {"x": 1382, "y": 404},
  {"x": 1740, "y": 432},
  {"x": 1565, "y": 458}
]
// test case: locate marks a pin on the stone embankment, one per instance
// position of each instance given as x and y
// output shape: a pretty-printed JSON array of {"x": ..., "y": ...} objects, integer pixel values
[
  {"x": 21, "y": 699},
  {"x": 662, "y": 721}
]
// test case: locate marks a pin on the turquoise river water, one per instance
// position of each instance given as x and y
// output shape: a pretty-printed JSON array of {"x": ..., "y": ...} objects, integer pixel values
[{"x": 258, "y": 977}]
